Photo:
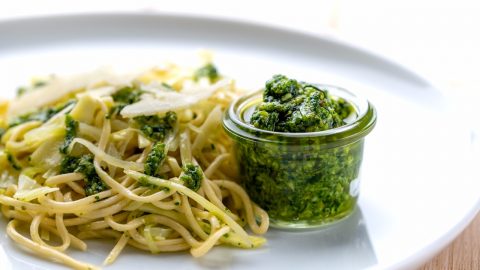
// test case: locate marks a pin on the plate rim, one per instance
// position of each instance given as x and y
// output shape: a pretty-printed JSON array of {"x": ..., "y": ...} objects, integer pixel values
[{"x": 323, "y": 37}]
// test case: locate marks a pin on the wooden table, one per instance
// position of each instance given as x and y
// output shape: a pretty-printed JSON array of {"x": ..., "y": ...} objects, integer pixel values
[{"x": 463, "y": 253}]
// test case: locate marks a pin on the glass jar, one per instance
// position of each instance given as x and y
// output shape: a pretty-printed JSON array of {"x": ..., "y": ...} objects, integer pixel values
[{"x": 303, "y": 180}]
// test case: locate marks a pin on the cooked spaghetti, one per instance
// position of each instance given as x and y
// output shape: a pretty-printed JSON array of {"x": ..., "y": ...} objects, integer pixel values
[{"x": 141, "y": 159}]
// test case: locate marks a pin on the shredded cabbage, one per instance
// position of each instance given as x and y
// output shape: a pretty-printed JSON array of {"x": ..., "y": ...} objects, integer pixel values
[
  {"x": 88, "y": 139},
  {"x": 35, "y": 137},
  {"x": 47, "y": 155},
  {"x": 84, "y": 111},
  {"x": 29, "y": 189},
  {"x": 149, "y": 237},
  {"x": 6, "y": 179}
]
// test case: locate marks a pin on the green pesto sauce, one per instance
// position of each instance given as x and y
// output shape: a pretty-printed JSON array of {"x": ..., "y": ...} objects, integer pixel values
[
  {"x": 292, "y": 106},
  {"x": 155, "y": 159},
  {"x": 208, "y": 71},
  {"x": 300, "y": 183},
  {"x": 308, "y": 181},
  {"x": 192, "y": 176},
  {"x": 84, "y": 165},
  {"x": 71, "y": 127},
  {"x": 155, "y": 127}
]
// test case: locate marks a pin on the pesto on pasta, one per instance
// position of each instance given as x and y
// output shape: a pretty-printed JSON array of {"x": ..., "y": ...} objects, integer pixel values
[{"x": 139, "y": 158}]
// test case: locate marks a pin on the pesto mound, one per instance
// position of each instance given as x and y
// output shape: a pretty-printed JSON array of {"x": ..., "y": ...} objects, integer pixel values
[{"x": 292, "y": 106}]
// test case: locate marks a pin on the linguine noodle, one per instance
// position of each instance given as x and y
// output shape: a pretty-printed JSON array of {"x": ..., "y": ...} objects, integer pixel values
[{"x": 154, "y": 179}]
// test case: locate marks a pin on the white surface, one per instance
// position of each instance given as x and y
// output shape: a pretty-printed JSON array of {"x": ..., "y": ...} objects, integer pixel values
[
  {"x": 436, "y": 37},
  {"x": 417, "y": 190}
]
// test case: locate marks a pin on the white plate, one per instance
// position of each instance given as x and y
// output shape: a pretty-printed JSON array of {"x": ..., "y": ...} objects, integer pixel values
[{"x": 417, "y": 191}]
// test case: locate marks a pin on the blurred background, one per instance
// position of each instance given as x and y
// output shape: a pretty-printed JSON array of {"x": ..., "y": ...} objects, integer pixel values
[{"x": 437, "y": 39}]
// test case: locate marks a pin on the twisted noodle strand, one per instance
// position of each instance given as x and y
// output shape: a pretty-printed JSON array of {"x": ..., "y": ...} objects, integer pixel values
[{"x": 157, "y": 213}]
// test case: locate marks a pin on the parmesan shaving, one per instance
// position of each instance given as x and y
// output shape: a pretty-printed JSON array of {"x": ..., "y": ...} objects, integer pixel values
[
  {"x": 59, "y": 87},
  {"x": 164, "y": 101}
]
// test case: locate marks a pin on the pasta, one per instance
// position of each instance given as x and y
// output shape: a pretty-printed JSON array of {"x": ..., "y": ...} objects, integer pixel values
[{"x": 143, "y": 161}]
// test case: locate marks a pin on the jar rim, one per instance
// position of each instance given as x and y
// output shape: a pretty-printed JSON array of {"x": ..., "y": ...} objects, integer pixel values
[{"x": 364, "y": 122}]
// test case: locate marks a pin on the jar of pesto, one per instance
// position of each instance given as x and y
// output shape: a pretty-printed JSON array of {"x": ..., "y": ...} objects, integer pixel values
[{"x": 300, "y": 151}]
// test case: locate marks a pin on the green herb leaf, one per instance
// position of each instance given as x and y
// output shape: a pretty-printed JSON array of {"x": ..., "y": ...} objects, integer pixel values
[{"x": 208, "y": 71}]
